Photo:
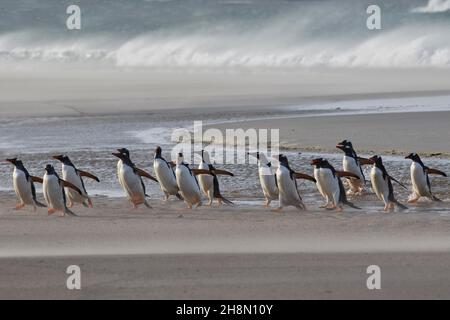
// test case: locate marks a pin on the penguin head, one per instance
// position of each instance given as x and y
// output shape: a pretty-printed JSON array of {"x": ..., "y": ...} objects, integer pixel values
[
  {"x": 16, "y": 162},
  {"x": 49, "y": 169},
  {"x": 124, "y": 151},
  {"x": 13, "y": 161},
  {"x": 63, "y": 158},
  {"x": 180, "y": 158},
  {"x": 376, "y": 160},
  {"x": 413, "y": 156},
  {"x": 119, "y": 155},
  {"x": 158, "y": 151},
  {"x": 345, "y": 146},
  {"x": 319, "y": 162},
  {"x": 283, "y": 160}
]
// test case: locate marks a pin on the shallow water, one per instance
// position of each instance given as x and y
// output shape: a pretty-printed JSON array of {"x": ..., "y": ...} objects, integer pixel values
[{"x": 89, "y": 142}]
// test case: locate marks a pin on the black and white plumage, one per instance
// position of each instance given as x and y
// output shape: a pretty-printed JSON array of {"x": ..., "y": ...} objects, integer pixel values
[
  {"x": 267, "y": 178},
  {"x": 165, "y": 175},
  {"x": 209, "y": 183},
  {"x": 187, "y": 183},
  {"x": 330, "y": 185},
  {"x": 24, "y": 187},
  {"x": 288, "y": 194},
  {"x": 382, "y": 185},
  {"x": 54, "y": 193},
  {"x": 130, "y": 178},
  {"x": 420, "y": 179},
  {"x": 352, "y": 163},
  {"x": 75, "y": 176}
]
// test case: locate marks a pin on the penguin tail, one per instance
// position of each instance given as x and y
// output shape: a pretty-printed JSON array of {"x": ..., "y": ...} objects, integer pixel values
[
  {"x": 147, "y": 205},
  {"x": 435, "y": 199},
  {"x": 400, "y": 206},
  {"x": 218, "y": 195},
  {"x": 70, "y": 212},
  {"x": 40, "y": 205},
  {"x": 178, "y": 195},
  {"x": 351, "y": 205},
  {"x": 226, "y": 201}
]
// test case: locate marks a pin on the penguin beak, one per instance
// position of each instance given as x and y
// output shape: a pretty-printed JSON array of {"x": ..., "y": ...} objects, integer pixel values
[
  {"x": 12, "y": 161},
  {"x": 59, "y": 157},
  {"x": 340, "y": 146},
  {"x": 314, "y": 162},
  {"x": 117, "y": 154}
]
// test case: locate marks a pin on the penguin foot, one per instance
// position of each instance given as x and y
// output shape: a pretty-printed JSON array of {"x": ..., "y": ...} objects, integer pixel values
[
  {"x": 51, "y": 211},
  {"x": 339, "y": 209},
  {"x": 90, "y": 204},
  {"x": 279, "y": 209},
  {"x": 19, "y": 206},
  {"x": 413, "y": 200}
]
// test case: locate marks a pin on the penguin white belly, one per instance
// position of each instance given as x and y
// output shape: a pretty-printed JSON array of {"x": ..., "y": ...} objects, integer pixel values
[
  {"x": 288, "y": 194},
  {"x": 69, "y": 174},
  {"x": 53, "y": 193},
  {"x": 379, "y": 185},
  {"x": 327, "y": 184},
  {"x": 205, "y": 181},
  {"x": 131, "y": 184},
  {"x": 188, "y": 186},
  {"x": 165, "y": 176},
  {"x": 268, "y": 183},
  {"x": 350, "y": 165},
  {"x": 419, "y": 181},
  {"x": 22, "y": 187}
]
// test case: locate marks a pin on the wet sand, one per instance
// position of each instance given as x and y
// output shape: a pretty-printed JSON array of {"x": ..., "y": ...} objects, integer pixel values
[{"x": 389, "y": 133}]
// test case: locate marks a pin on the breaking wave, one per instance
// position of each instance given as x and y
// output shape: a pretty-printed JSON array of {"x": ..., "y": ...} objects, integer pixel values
[{"x": 219, "y": 33}]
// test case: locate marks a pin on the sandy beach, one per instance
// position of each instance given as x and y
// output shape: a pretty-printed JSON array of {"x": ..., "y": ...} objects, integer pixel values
[
  {"x": 247, "y": 251},
  {"x": 221, "y": 253}
]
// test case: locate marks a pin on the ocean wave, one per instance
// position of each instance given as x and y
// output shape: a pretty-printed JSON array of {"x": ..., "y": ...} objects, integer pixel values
[
  {"x": 434, "y": 6},
  {"x": 224, "y": 34}
]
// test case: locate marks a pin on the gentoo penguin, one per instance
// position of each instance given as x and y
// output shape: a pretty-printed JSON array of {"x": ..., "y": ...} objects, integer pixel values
[
  {"x": 352, "y": 163},
  {"x": 287, "y": 185},
  {"x": 140, "y": 172},
  {"x": 267, "y": 178},
  {"x": 165, "y": 175},
  {"x": 187, "y": 182},
  {"x": 209, "y": 183},
  {"x": 75, "y": 176},
  {"x": 382, "y": 185},
  {"x": 330, "y": 184},
  {"x": 130, "y": 179},
  {"x": 24, "y": 185},
  {"x": 53, "y": 188},
  {"x": 420, "y": 179}
]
